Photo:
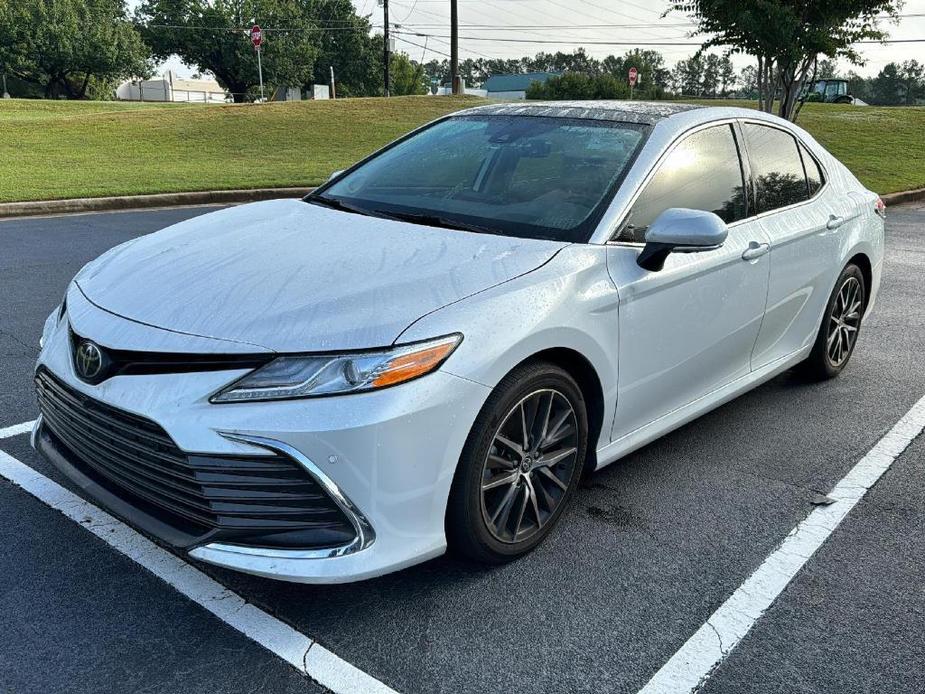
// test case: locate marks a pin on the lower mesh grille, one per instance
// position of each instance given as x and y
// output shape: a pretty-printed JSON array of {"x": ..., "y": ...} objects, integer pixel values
[{"x": 266, "y": 501}]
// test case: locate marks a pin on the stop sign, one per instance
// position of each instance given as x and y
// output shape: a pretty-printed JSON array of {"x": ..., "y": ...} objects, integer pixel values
[
  {"x": 256, "y": 36},
  {"x": 634, "y": 74}
]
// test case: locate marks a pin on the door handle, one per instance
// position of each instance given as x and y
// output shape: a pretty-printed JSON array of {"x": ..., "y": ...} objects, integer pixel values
[
  {"x": 834, "y": 222},
  {"x": 755, "y": 250}
]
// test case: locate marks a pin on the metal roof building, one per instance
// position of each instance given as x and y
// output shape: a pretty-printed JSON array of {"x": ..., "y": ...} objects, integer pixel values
[{"x": 514, "y": 86}]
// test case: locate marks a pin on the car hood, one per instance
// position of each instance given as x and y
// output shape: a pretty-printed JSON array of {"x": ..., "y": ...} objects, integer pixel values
[{"x": 289, "y": 276}]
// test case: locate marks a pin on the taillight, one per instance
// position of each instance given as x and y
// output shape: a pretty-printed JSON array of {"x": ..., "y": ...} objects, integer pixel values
[{"x": 880, "y": 208}]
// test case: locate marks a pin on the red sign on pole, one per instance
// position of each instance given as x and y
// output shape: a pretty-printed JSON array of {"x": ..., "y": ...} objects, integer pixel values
[
  {"x": 256, "y": 36},
  {"x": 634, "y": 74}
]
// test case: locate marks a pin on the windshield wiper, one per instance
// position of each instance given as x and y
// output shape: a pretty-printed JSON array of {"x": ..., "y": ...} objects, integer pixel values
[
  {"x": 434, "y": 220},
  {"x": 336, "y": 204}
]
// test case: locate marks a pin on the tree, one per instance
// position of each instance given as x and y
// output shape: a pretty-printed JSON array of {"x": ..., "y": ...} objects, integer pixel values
[
  {"x": 577, "y": 61},
  {"x": 578, "y": 86},
  {"x": 709, "y": 81},
  {"x": 727, "y": 75},
  {"x": 688, "y": 76},
  {"x": 787, "y": 37},
  {"x": 212, "y": 35},
  {"x": 826, "y": 70},
  {"x": 859, "y": 87},
  {"x": 911, "y": 73},
  {"x": 887, "y": 86},
  {"x": 70, "y": 48},
  {"x": 408, "y": 78},
  {"x": 748, "y": 82},
  {"x": 347, "y": 47}
]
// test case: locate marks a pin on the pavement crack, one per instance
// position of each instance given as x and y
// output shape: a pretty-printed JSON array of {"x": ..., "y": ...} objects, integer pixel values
[
  {"x": 307, "y": 673},
  {"x": 32, "y": 349},
  {"x": 719, "y": 637}
]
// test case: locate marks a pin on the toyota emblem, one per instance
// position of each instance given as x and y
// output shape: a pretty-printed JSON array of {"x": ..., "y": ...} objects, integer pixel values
[{"x": 88, "y": 360}]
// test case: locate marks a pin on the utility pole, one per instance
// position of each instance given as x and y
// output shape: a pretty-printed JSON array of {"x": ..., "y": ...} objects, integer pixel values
[
  {"x": 454, "y": 47},
  {"x": 386, "y": 52}
]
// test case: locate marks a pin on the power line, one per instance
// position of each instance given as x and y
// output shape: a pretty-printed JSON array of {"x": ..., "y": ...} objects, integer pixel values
[
  {"x": 622, "y": 43},
  {"x": 512, "y": 27},
  {"x": 426, "y": 48}
]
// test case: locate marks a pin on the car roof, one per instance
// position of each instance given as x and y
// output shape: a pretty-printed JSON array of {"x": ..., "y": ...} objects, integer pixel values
[
  {"x": 679, "y": 114},
  {"x": 645, "y": 112}
]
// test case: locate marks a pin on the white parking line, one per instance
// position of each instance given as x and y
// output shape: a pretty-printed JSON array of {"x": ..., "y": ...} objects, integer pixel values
[
  {"x": 16, "y": 430},
  {"x": 300, "y": 651},
  {"x": 697, "y": 659}
]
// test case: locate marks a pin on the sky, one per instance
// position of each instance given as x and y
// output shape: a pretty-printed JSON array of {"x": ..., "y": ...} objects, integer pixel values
[{"x": 515, "y": 28}]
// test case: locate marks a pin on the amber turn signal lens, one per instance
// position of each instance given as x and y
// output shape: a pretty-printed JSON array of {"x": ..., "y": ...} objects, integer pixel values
[{"x": 410, "y": 365}]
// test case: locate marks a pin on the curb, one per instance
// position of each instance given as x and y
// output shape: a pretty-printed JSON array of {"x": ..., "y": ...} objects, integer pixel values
[
  {"x": 139, "y": 202},
  {"x": 906, "y": 196},
  {"x": 224, "y": 197}
]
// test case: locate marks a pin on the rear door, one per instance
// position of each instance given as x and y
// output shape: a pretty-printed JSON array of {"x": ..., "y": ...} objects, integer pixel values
[
  {"x": 690, "y": 328},
  {"x": 798, "y": 214}
]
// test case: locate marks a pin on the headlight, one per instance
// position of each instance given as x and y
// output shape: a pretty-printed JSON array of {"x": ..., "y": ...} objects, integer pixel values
[{"x": 326, "y": 374}]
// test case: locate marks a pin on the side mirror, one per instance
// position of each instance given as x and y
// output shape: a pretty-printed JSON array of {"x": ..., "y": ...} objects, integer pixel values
[
  {"x": 679, "y": 230},
  {"x": 336, "y": 174}
]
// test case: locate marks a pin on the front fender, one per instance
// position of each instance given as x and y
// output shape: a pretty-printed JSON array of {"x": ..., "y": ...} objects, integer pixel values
[{"x": 570, "y": 303}]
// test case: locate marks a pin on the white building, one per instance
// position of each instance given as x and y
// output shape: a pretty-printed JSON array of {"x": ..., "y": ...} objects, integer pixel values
[{"x": 169, "y": 87}]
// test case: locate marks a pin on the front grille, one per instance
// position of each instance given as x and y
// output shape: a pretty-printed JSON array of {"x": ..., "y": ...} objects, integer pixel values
[
  {"x": 120, "y": 362},
  {"x": 266, "y": 501}
]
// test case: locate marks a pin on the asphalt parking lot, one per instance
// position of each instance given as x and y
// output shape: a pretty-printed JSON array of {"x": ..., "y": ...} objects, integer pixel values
[{"x": 650, "y": 548}]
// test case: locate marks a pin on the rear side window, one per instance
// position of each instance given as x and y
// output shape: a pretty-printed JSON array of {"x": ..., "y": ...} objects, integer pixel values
[
  {"x": 814, "y": 176},
  {"x": 776, "y": 167},
  {"x": 702, "y": 173}
]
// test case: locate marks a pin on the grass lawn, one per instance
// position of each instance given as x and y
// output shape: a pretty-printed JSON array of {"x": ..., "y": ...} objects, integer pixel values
[{"x": 59, "y": 149}]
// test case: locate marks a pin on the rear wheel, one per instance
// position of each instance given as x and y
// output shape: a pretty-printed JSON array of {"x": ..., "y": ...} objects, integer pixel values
[
  {"x": 521, "y": 464},
  {"x": 840, "y": 327}
]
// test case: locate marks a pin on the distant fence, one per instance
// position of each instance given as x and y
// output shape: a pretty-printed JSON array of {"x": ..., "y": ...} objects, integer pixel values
[{"x": 202, "y": 97}]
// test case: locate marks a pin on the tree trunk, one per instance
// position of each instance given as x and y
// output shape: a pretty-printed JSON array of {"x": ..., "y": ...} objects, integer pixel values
[
  {"x": 785, "y": 80},
  {"x": 82, "y": 94},
  {"x": 812, "y": 80},
  {"x": 792, "y": 78},
  {"x": 55, "y": 86},
  {"x": 767, "y": 84}
]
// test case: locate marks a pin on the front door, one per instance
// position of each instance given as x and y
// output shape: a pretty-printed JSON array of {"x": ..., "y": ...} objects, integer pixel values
[{"x": 690, "y": 328}]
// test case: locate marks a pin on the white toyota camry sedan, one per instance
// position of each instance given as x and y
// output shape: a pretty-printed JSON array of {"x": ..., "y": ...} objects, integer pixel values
[{"x": 432, "y": 348}]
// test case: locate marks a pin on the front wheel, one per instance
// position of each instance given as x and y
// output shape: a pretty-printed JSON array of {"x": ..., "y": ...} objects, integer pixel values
[
  {"x": 840, "y": 327},
  {"x": 520, "y": 466}
]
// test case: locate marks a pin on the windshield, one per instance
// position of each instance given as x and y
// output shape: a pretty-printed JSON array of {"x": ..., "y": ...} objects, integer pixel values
[{"x": 535, "y": 177}]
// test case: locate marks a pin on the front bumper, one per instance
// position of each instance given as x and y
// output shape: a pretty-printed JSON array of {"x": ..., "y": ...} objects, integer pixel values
[{"x": 388, "y": 456}]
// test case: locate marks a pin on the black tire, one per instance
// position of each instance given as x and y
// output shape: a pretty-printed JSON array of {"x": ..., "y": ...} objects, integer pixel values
[
  {"x": 825, "y": 361},
  {"x": 471, "y": 531}
]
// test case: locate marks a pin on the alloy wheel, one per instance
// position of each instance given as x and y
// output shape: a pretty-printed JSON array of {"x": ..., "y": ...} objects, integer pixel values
[
  {"x": 844, "y": 322},
  {"x": 526, "y": 474}
]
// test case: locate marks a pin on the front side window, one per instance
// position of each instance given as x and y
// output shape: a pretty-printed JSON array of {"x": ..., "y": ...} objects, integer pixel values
[
  {"x": 527, "y": 176},
  {"x": 776, "y": 167},
  {"x": 703, "y": 172}
]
